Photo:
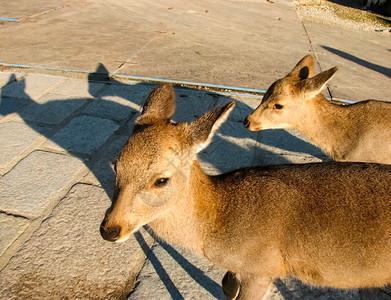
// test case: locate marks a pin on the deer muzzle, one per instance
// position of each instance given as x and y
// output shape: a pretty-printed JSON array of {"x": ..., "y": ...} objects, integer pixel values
[{"x": 110, "y": 234}]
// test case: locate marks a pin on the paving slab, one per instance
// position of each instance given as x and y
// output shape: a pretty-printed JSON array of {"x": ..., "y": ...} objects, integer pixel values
[
  {"x": 363, "y": 60},
  {"x": 102, "y": 172},
  {"x": 36, "y": 182},
  {"x": 19, "y": 10},
  {"x": 66, "y": 37},
  {"x": 174, "y": 273},
  {"x": 243, "y": 38},
  {"x": 236, "y": 43},
  {"x": 31, "y": 86},
  {"x": 16, "y": 140},
  {"x": 51, "y": 109},
  {"x": 11, "y": 228},
  {"x": 83, "y": 134},
  {"x": 66, "y": 258},
  {"x": 118, "y": 101},
  {"x": 78, "y": 88}
]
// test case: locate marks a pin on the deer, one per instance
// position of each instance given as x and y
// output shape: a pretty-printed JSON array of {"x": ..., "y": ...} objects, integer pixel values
[
  {"x": 355, "y": 132},
  {"x": 327, "y": 224}
]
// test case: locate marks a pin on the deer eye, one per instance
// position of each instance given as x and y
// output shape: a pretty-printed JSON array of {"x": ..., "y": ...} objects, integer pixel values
[
  {"x": 161, "y": 182},
  {"x": 277, "y": 106}
]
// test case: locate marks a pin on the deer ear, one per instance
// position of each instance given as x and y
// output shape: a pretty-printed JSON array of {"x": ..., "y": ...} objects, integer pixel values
[
  {"x": 304, "y": 68},
  {"x": 314, "y": 85},
  {"x": 203, "y": 129},
  {"x": 160, "y": 105}
]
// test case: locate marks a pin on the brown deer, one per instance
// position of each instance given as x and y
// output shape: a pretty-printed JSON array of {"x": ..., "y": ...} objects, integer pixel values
[
  {"x": 356, "y": 132},
  {"x": 328, "y": 224}
]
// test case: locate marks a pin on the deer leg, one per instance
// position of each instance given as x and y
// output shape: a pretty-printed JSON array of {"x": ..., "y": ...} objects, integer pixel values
[
  {"x": 231, "y": 285},
  {"x": 253, "y": 288}
]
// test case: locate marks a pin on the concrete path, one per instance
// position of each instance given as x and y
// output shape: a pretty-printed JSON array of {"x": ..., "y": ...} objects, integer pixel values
[{"x": 62, "y": 121}]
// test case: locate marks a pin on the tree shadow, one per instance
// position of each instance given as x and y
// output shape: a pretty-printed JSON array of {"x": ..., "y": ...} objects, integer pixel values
[{"x": 375, "y": 67}]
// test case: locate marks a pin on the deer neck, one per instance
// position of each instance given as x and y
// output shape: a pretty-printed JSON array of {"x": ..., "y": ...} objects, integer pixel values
[
  {"x": 192, "y": 218},
  {"x": 325, "y": 126}
]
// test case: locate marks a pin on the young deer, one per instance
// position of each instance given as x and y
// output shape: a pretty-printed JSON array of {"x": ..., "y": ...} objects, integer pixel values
[
  {"x": 327, "y": 224},
  {"x": 356, "y": 132}
]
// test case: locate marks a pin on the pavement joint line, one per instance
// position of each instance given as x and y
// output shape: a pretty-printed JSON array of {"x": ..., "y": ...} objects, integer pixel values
[
  {"x": 34, "y": 146},
  {"x": 313, "y": 51},
  {"x": 157, "y": 33},
  {"x": 21, "y": 66},
  {"x": 44, "y": 12},
  {"x": 35, "y": 223},
  {"x": 13, "y": 215},
  {"x": 142, "y": 79},
  {"x": 221, "y": 89},
  {"x": 51, "y": 88},
  {"x": 9, "y": 19}
]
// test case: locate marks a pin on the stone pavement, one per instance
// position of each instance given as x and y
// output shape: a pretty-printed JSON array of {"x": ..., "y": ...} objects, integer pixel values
[{"x": 60, "y": 129}]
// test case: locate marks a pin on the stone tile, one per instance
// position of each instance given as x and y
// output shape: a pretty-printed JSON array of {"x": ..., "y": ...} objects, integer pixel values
[
  {"x": 38, "y": 84},
  {"x": 83, "y": 134},
  {"x": 66, "y": 258},
  {"x": 31, "y": 86},
  {"x": 78, "y": 88},
  {"x": 133, "y": 91},
  {"x": 15, "y": 139},
  {"x": 174, "y": 273},
  {"x": 23, "y": 10},
  {"x": 279, "y": 146},
  {"x": 63, "y": 38},
  {"x": 243, "y": 106},
  {"x": 9, "y": 105},
  {"x": 102, "y": 172},
  {"x": 191, "y": 104},
  {"x": 8, "y": 77},
  {"x": 362, "y": 74},
  {"x": 291, "y": 289},
  {"x": 378, "y": 294},
  {"x": 36, "y": 182},
  {"x": 51, "y": 109},
  {"x": 119, "y": 101},
  {"x": 10, "y": 228},
  {"x": 231, "y": 148},
  {"x": 249, "y": 52}
]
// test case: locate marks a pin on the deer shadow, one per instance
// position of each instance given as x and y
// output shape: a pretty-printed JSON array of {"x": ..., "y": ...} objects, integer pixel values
[
  {"x": 86, "y": 127},
  {"x": 366, "y": 64}
]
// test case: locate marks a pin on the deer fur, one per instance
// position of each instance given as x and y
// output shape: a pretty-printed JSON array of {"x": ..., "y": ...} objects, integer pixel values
[
  {"x": 327, "y": 224},
  {"x": 356, "y": 132}
]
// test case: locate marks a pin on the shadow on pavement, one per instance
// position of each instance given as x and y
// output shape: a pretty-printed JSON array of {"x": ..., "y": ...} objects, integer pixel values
[
  {"x": 377, "y": 68},
  {"x": 85, "y": 126}
]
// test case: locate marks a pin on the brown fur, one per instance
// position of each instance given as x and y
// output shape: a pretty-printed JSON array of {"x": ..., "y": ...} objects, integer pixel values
[
  {"x": 356, "y": 132},
  {"x": 327, "y": 224}
]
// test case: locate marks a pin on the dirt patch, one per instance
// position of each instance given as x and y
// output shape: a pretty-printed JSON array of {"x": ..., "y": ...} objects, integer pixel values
[{"x": 331, "y": 14}]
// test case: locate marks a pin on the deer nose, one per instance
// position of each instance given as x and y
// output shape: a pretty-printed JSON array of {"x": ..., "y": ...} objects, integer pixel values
[
  {"x": 110, "y": 234},
  {"x": 246, "y": 122}
]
